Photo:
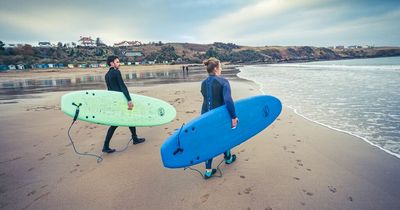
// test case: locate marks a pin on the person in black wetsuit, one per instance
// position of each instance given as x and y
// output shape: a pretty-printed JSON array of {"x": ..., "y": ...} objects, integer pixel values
[
  {"x": 115, "y": 83},
  {"x": 216, "y": 92}
]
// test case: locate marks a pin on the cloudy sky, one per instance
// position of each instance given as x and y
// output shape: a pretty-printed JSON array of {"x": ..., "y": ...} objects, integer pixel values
[{"x": 244, "y": 22}]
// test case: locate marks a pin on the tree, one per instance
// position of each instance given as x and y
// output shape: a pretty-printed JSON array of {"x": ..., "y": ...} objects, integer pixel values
[
  {"x": 99, "y": 43},
  {"x": 2, "y": 45}
]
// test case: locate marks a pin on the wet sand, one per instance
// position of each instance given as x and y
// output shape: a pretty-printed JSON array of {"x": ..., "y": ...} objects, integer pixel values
[{"x": 293, "y": 164}]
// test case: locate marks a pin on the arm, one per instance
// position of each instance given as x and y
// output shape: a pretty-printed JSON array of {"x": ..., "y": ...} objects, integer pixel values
[
  {"x": 122, "y": 86},
  {"x": 229, "y": 104}
]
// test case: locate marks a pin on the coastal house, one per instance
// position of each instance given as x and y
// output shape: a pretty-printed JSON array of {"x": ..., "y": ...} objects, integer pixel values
[
  {"x": 11, "y": 45},
  {"x": 128, "y": 44},
  {"x": 70, "y": 65},
  {"x": 12, "y": 67},
  {"x": 133, "y": 54},
  {"x": 339, "y": 47},
  {"x": 44, "y": 44},
  {"x": 86, "y": 41}
]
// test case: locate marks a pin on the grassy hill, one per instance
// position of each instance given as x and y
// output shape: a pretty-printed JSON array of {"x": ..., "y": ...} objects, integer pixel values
[{"x": 186, "y": 53}]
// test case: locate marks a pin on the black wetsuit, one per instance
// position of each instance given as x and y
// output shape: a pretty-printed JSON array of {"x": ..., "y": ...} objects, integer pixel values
[
  {"x": 216, "y": 92},
  {"x": 115, "y": 83}
]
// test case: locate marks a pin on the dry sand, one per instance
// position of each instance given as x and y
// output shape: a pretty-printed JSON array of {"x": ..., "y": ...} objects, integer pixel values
[{"x": 293, "y": 164}]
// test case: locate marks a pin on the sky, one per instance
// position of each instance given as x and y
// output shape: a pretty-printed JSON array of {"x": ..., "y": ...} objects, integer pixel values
[{"x": 243, "y": 22}]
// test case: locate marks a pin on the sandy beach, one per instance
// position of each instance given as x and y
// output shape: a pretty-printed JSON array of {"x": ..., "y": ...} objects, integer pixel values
[{"x": 293, "y": 164}]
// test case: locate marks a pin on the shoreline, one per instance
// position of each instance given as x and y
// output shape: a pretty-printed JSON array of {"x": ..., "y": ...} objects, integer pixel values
[{"x": 328, "y": 126}]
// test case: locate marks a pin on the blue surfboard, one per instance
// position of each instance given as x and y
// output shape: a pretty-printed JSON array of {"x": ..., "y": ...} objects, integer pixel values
[{"x": 211, "y": 134}]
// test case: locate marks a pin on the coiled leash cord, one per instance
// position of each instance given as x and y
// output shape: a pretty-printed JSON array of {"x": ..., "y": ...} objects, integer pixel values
[
  {"x": 201, "y": 174},
  {"x": 180, "y": 149},
  {"x": 99, "y": 157}
]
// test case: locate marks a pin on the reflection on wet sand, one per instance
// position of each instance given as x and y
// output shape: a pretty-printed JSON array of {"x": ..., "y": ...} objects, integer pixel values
[{"x": 20, "y": 88}]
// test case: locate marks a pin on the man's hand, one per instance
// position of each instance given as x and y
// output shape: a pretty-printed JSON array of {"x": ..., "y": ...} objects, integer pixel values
[
  {"x": 130, "y": 105},
  {"x": 234, "y": 122}
]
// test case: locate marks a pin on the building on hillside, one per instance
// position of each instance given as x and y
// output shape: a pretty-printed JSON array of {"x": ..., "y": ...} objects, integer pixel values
[
  {"x": 339, "y": 47},
  {"x": 86, "y": 41},
  {"x": 11, "y": 45},
  {"x": 44, "y": 44},
  {"x": 133, "y": 54},
  {"x": 128, "y": 44}
]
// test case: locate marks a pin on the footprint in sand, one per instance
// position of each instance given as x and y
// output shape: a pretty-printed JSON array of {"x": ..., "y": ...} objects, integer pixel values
[
  {"x": 302, "y": 203},
  {"x": 48, "y": 154},
  {"x": 247, "y": 159},
  {"x": 268, "y": 208},
  {"x": 204, "y": 198},
  {"x": 247, "y": 190},
  {"x": 298, "y": 140},
  {"x": 72, "y": 171},
  {"x": 60, "y": 153},
  {"x": 308, "y": 193},
  {"x": 243, "y": 177},
  {"x": 350, "y": 198},
  {"x": 299, "y": 163},
  {"x": 31, "y": 193},
  {"x": 296, "y": 178},
  {"x": 332, "y": 189},
  {"x": 308, "y": 169},
  {"x": 31, "y": 169},
  {"x": 42, "y": 158},
  {"x": 43, "y": 186}
]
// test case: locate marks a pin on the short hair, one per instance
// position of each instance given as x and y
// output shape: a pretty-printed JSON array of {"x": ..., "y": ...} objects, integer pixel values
[
  {"x": 111, "y": 59},
  {"x": 211, "y": 63}
]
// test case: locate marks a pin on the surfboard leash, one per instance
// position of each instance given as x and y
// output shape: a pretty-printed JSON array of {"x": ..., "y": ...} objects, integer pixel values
[
  {"x": 202, "y": 175},
  {"x": 99, "y": 158}
]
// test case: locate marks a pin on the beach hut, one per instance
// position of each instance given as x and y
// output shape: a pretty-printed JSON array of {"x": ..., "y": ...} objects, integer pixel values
[
  {"x": 20, "y": 67},
  {"x": 11, "y": 67},
  {"x": 70, "y": 65},
  {"x": 3, "y": 67}
]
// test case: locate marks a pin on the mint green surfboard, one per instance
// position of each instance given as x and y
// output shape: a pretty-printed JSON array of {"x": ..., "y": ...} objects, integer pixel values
[{"x": 111, "y": 108}]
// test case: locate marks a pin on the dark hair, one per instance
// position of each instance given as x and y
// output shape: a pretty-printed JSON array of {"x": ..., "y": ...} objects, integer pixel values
[
  {"x": 111, "y": 59},
  {"x": 211, "y": 63}
]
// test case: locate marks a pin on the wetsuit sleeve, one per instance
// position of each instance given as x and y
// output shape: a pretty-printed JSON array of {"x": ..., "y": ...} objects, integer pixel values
[
  {"x": 228, "y": 100},
  {"x": 122, "y": 85},
  {"x": 203, "y": 106}
]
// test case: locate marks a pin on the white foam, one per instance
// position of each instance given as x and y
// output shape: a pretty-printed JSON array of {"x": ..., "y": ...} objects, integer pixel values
[{"x": 261, "y": 87}]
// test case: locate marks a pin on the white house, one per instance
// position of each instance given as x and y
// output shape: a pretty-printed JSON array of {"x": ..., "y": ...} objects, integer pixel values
[
  {"x": 86, "y": 41},
  {"x": 44, "y": 44},
  {"x": 127, "y": 44}
]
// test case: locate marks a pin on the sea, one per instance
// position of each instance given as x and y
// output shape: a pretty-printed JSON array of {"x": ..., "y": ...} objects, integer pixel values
[{"x": 360, "y": 97}]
